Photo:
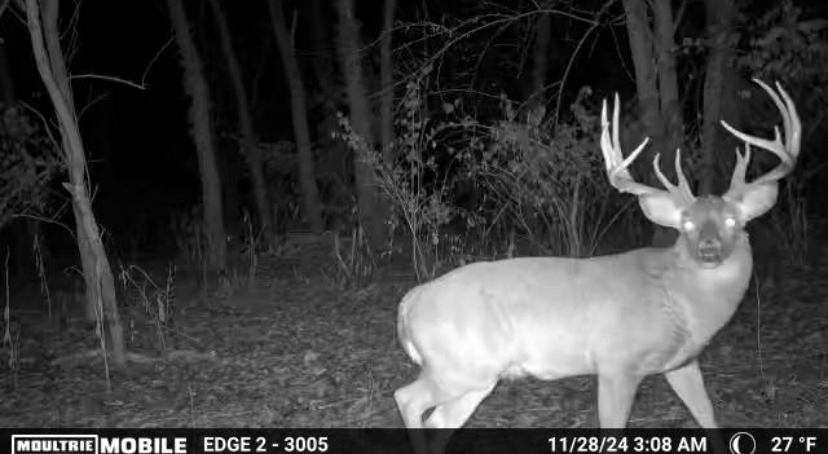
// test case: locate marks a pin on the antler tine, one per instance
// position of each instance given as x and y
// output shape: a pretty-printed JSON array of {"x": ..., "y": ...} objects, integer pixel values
[
  {"x": 682, "y": 189},
  {"x": 742, "y": 162},
  {"x": 787, "y": 152},
  {"x": 614, "y": 162},
  {"x": 793, "y": 126}
]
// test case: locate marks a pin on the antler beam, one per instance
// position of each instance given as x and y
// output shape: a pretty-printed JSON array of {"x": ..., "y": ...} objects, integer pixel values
[
  {"x": 787, "y": 150},
  {"x": 617, "y": 167}
]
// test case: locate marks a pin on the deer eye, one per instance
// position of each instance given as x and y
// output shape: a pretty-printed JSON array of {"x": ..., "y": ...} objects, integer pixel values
[
  {"x": 688, "y": 226},
  {"x": 730, "y": 222}
]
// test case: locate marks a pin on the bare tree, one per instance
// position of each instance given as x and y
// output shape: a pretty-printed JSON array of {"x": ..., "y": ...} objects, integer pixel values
[
  {"x": 249, "y": 147},
  {"x": 668, "y": 92},
  {"x": 387, "y": 81},
  {"x": 202, "y": 133},
  {"x": 333, "y": 165},
  {"x": 720, "y": 35},
  {"x": 100, "y": 286},
  {"x": 307, "y": 171},
  {"x": 348, "y": 45},
  {"x": 651, "y": 42}
]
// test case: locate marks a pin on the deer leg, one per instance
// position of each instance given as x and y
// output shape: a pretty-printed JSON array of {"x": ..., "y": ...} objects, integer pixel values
[
  {"x": 616, "y": 392},
  {"x": 688, "y": 383}
]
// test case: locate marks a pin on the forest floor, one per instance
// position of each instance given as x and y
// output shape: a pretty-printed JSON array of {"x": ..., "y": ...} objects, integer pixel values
[{"x": 298, "y": 349}]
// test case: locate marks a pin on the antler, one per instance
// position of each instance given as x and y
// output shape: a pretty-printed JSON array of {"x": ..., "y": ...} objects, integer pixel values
[
  {"x": 617, "y": 167},
  {"x": 787, "y": 151}
]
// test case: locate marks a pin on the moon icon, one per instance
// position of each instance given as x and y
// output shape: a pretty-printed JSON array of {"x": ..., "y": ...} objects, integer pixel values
[{"x": 742, "y": 443}]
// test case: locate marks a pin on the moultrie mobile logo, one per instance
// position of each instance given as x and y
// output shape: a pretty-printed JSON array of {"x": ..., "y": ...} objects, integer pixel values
[
  {"x": 54, "y": 444},
  {"x": 96, "y": 444}
]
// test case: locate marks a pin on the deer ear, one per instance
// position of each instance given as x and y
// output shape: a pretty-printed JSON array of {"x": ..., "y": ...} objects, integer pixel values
[
  {"x": 757, "y": 201},
  {"x": 661, "y": 208}
]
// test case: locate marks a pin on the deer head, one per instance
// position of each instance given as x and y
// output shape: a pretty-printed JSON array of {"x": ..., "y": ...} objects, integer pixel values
[{"x": 710, "y": 226}]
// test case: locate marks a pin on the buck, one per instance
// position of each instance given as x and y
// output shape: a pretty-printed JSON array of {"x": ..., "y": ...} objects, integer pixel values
[{"x": 621, "y": 317}]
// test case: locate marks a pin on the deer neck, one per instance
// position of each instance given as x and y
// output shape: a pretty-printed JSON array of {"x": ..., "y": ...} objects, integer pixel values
[{"x": 702, "y": 300}]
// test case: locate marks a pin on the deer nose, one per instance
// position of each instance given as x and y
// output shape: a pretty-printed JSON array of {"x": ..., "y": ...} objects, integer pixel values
[{"x": 710, "y": 249}]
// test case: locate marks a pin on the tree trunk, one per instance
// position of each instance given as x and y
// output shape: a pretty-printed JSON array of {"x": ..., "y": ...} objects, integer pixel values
[
  {"x": 307, "y": 170},
  {"x": 249, "y": 146},
  {"x": 334, "y": 166},
  {"x": 649, "y": 78},
  {"x": 100, "y": 285},
  {"x": 669, "y": 100},
  {"x": 719, "y": 35},
  {"x": 387, "y": 82},
  {"x": 324, "y": 59},
  {"x": 202, "y": 132},
  {"x": 646, "y": 82},
  {"x": 348, "y": 45}
]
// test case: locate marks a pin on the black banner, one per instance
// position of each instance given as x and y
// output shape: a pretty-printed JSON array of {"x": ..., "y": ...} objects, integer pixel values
[{"x": 368, "y": 441}]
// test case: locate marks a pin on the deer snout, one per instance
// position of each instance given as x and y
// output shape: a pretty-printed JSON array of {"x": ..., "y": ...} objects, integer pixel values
[{"x": 710, "y": 251}]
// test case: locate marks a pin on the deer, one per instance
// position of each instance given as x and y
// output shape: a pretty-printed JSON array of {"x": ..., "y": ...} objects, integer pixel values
[{"x": 621, "y": 317}]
